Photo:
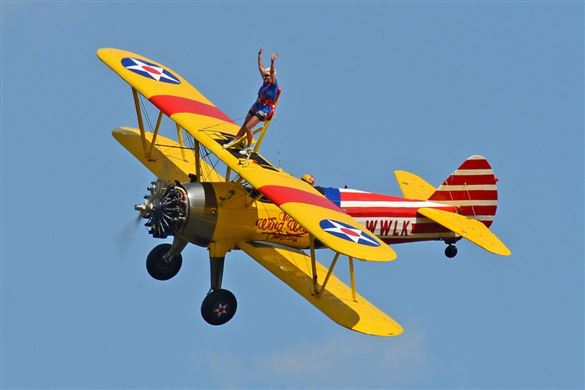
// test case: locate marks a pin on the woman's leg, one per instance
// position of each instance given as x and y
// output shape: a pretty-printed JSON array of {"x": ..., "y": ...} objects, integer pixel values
[
  {"x": 243, "y": 128},
  {"x": 248, "y": 126},
  {"x": 240, "y": 133}
]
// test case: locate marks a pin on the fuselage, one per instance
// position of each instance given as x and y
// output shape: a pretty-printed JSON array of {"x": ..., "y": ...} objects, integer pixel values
[{"x": 392, "y": 219}]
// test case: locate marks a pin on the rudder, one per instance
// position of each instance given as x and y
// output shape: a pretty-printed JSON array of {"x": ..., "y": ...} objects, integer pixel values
[{"x": 472, "y": 188}]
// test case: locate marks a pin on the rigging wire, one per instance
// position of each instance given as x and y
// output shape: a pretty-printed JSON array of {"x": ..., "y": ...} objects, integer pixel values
[{"x": 145, "y": 113}]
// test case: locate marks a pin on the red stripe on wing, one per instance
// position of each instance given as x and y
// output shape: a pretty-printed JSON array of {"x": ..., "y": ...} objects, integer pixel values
[
  {"x": 175, "y": 104},
  {"x": 281, "y": 195}
]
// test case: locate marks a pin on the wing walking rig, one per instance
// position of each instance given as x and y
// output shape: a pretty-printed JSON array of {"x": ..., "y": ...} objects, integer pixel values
[{"x": 275, "y": 218}]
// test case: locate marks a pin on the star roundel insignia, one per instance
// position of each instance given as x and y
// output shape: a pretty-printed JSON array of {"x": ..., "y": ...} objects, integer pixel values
[
  {"x": 221, "y": 310},
  {"x": 347, "y": 232},
  {"x": 149, "y": 70}
]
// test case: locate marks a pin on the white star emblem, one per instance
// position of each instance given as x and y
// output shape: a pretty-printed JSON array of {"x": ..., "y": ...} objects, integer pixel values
[
  {"x": 156, "y": 72},
  {"x": 350, "y": 233},
  {"x": 221, "y": 310}
]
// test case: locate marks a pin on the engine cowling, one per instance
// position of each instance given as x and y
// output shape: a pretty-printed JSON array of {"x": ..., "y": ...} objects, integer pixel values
[{"x": 186, "y": 210}]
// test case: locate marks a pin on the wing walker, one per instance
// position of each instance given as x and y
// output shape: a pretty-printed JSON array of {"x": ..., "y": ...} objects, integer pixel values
[{"x": 216, "y": 198}]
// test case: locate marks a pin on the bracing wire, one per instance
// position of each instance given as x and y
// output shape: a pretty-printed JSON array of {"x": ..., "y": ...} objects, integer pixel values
[{"x": 145, "y": 113}]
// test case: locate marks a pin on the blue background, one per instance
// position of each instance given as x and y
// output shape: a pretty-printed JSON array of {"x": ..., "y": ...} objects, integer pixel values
[{"x": 368, "y": 87}]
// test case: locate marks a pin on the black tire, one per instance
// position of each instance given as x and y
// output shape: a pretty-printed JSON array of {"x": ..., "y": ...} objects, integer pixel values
[
  {"x": 219, "y": 307},
  {"x": 160, "y": 269},
  {"x": 451, "y": 251}
]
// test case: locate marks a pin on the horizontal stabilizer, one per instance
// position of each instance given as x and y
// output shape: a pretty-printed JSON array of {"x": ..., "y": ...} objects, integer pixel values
[
  {"x": 293, "y": 267},
  {"x": 413, "y": 187},
  {"x": 472, "y": 229}
]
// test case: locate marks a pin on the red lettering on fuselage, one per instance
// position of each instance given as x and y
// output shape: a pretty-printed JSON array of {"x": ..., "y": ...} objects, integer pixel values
[
  {"x": 385, "y": 227},
  {"x": 390, "y": 227},
  {"x": 405, "y": 225},
  {"x": 371, "y": 226}
]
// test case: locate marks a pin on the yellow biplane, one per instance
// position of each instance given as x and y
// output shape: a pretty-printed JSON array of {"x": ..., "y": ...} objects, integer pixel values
[{"x": 275, "y": 218}]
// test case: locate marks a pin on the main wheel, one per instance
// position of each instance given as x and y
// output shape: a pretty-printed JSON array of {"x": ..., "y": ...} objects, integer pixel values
[
  {"x": 450, "y": 251},
  {"x": 158, "y": 267},
  {"x": 218, "y": 307}
]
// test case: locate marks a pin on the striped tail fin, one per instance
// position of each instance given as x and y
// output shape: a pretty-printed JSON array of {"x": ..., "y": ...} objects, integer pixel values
[{"x": 472, "y": 188}]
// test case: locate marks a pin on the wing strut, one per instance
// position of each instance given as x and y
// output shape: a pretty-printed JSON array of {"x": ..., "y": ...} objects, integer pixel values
[
  {"x": 313, "y": 262},
  {"x": 318, "y": 292},
  {"x": 352, "y": 276},
  {"x": 157, "y": 127},
  {"x": 328, "y": 274},
  {"x": 140, "y": 122},
  {"x": 182, "y": 144}
]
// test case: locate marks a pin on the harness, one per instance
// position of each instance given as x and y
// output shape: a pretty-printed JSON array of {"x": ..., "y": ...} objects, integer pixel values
[{"x": 269, "y": 102}]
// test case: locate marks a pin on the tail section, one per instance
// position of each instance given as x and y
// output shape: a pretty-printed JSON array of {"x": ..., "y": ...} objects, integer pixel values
[
  {"x": 472, "y": 188},
  {"x": 471, "y": 229}
]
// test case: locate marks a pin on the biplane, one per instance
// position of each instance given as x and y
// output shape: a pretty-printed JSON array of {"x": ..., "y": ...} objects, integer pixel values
[{"x": 216, "y": 198}]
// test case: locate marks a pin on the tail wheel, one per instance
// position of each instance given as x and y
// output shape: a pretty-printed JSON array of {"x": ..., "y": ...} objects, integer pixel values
[
  {"x": 161, "y": 268},
  {"x": 218, "y": 307},
  {"x": 451, "y": 251}
]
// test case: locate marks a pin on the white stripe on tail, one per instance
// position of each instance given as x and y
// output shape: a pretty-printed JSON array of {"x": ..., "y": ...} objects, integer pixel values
[{"x": 472, "y": 188}]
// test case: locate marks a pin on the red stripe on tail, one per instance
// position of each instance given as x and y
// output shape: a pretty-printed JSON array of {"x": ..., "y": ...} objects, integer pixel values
[{"x": 484, "y": 177}]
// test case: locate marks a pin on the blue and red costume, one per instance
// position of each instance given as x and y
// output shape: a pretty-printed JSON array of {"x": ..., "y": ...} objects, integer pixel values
[{"x": 265, "y": 104}]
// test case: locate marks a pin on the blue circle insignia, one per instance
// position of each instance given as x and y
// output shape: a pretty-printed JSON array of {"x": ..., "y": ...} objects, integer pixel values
[
  {"x": 150, "y": 70},
  {"x": 347, "y": 232}
]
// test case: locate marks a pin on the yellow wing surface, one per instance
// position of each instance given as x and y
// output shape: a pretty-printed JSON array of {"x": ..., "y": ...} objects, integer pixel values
[
  {"x": 174, "y": 96},
  {"x": 472, "y": 229},
  {"x": 167, "y": 160},
  {"x": 167, "y": 90},
  {"x": 413, "y": 186},
  {"x": 337, "y": 302}
]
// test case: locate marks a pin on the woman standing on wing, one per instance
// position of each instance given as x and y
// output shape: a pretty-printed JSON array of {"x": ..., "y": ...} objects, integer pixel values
[{"x": 265, "y": 104}]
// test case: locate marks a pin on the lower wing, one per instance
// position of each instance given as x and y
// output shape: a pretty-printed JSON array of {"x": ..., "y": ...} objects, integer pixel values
[{"x": 336, "y": 301}]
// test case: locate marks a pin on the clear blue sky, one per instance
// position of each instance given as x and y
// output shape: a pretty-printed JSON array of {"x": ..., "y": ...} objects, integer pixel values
[{"x": 368, "y": 87}]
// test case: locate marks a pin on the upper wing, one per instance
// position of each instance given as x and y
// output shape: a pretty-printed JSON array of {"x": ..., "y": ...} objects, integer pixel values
[
  {"x": 472, "y": 229},
  {"x": 294, "y": 268},
  {"x": 207, "y": 124},
  {"x": 413, "y": 186},
  {"x": 167, "y": 90}
]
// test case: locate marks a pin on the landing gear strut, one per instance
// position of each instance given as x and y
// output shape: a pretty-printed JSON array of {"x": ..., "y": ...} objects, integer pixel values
[
  {"x": 451, "y": 251},
  {"x": 220, "y": 305}
]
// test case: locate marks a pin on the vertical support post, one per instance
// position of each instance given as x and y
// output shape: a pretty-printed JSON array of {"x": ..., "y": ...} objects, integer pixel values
[
  {"x": 197, "y": 161},
  {"x": 228, "y": 173},
  {"x": 263, "y": 130},
  {"x": 158, "y": 122},
  {"x": 352, "y": 277},
  {"x": 140, "y": 122},
  {"x": 313, "y": 262},
  {"x": 328, "y": 274},
  {"x": 182, "y": 143}
]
